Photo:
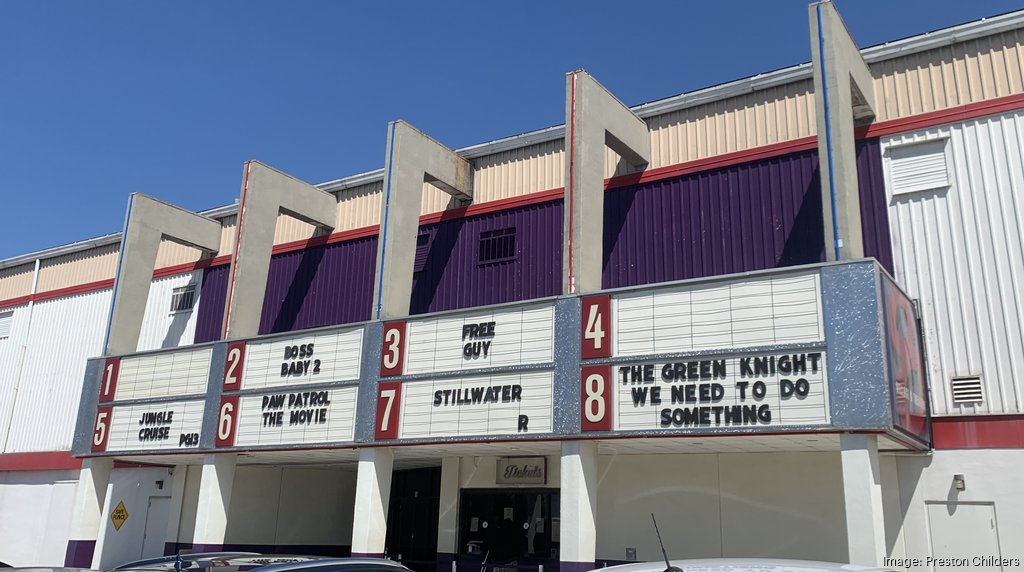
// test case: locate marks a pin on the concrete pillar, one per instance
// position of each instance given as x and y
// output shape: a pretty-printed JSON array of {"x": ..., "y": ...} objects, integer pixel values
[
  {"x": 178, "y": 478},
  {"x": 87, "y": 512},
  {"x": 448, "y": 514},
  {"x": 411, "y": 159},
  {"x": 373, "y": 490},
  {"x": 147, "y": 223},
  {"x": 843, "y": 92},
  {"x": 862, "y": 497},
  {"x": 266, "y": 193},
  {"x": 594, "y": 119},
  {"x": 215, "y": 485},
  {"x": 579, "y": 506}
]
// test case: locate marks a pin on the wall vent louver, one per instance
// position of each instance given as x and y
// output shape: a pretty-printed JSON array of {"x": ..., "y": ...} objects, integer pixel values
[{"x": 967, "y": 390}]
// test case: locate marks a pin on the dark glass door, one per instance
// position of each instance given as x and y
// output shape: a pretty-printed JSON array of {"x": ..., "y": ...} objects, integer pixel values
[
  {"x": 412, "y": 518},
  {"x": 509, "y": 529}
]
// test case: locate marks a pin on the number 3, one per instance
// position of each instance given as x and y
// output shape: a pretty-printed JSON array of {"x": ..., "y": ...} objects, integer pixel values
[{"x": 392, "y": 351}]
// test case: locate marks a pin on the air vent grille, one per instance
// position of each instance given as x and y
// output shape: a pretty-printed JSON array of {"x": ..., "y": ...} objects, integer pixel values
[{"x": 967, "y": 390}]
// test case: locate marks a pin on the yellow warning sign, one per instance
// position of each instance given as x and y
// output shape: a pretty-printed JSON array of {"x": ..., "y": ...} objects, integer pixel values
[{"x": 119, "y": 515}]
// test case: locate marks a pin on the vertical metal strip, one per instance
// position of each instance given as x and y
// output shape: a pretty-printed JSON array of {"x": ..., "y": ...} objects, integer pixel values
[
  {"x": 384, "y": 223},
  {"x": 828, "y": 137},
  {"x": 234, "y": 256},
  {"x": 117, "y": 274}
]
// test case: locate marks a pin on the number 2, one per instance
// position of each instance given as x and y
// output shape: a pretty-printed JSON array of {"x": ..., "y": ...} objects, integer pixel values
[{"x": 233, "y": 366}]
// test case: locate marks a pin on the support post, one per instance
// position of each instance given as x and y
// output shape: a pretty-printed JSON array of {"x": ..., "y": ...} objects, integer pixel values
[
  {"x": 594, "y": 119},
  {"x": 266, "y": 193},
  {"x": 844, "y": 91},
  {"x": 448, "y": 514},
  {"x": 862, "y": 497},
  {"x": 87, "y": 512},
  {"x": 411, "y": 159},
  {"x": 373, "y": 491},
  {"x": 147, "y": 223},
  {"x": 579, "y": 506},
  {"x": 180, "y": 475},
  {"x": 215, "y": 486}
]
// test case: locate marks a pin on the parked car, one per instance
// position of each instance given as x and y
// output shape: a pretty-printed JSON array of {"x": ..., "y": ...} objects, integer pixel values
[
  {"x": 742, "y": 565},
  {"x": 252, "y": 561}
]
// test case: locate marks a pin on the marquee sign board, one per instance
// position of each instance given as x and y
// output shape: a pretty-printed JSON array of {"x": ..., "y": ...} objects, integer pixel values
[
  {"x": 466, "y": 341},
  {"x": 164, "y": 374},
  {"x": 505, "y": 404},
  {"x": 163, "y": 426},
  {"x": 297, "y": 360},
  {"x": 291, "y": 417},
  {"x": 728, "y": 388},
  {"x": 738, "y": 354}
]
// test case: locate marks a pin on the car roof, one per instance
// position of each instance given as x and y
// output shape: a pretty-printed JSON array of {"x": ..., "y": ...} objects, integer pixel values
[
  {"x": 241, "y": 561},
  {"x": 742, "y": 565}
]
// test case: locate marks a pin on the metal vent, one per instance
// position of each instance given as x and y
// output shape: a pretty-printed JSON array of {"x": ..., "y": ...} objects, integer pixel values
[
  {"x": 967, "y": 390},
  {"x": 918, "y": 167},
  {"x": 5, "y": 324}
]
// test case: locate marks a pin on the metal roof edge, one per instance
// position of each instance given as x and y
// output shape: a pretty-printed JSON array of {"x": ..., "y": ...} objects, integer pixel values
[{"x": 910, "y": 45}]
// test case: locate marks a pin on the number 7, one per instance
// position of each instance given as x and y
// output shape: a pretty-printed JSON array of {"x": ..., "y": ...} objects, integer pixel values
[{"x": 388, "y": 404}]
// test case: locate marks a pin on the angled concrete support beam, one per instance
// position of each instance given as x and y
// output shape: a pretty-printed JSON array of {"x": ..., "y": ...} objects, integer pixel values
[
  {"x": 594, "y": 119},
  {"x": 147, "y": 222},
  {"x": 266, "y": 193},
  {"x": 844, "y": 92},
  {"x": 411, "y": 159}
]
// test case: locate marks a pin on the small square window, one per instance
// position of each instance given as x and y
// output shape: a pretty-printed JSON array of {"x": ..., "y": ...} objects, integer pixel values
[
  {"x": 183, "y": 299},
  {"x": 497, "y": 245},
  {"x": 6, "y": 319}
]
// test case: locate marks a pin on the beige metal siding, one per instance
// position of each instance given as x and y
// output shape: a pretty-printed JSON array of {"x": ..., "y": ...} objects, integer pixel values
[
  {"x": 962, "y": 73},
  {"x": 16, "y": 281},
  {"x": 531, "y": 169},
  {"x": 756, "y": 119},
  {"x": 90, "y": 265},
  {"x": 359, "y": 206}
]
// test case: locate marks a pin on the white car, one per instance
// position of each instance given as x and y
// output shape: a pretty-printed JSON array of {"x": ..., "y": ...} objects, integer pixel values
[{"x": 742, "y": 565}]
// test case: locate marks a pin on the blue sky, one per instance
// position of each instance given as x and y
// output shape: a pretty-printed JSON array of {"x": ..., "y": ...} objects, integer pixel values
[{"x": 98, "y": 100}]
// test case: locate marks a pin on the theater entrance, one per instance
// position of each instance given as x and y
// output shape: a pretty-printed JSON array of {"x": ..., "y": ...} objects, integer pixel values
[
  {"x": 505, "y": 530},
  {"x": 412, "y": 518}
]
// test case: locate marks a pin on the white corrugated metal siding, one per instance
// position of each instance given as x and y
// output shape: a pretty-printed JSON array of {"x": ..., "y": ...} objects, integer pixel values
[
  {"x": 160, "y": 327},
  {"x": 11, "y": 349},
  {"x": 65, "y": 332},
  {"x": 960, "y": 251}
]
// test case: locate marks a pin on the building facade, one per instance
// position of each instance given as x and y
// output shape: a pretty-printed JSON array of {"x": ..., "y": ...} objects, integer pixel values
[{"x": 781, "y": 340}]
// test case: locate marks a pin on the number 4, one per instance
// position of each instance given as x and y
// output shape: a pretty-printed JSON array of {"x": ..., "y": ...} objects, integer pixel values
[{"x": 596, "y": 339}]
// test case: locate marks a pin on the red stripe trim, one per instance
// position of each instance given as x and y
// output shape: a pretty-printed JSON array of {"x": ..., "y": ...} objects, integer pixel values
[
  {"x": 977, "y": 432},
  {"x": 44, "y": 461},
  {"x": 924, "y": 120}
]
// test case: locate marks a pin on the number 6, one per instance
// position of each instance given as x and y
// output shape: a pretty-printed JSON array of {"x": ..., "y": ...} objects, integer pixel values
[{"x": 227, "y": 421}]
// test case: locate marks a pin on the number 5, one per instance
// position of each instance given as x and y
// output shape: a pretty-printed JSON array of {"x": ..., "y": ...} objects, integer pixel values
[
  {"x": 101, "y": 431},
  {"x": 389, "y": 405}
]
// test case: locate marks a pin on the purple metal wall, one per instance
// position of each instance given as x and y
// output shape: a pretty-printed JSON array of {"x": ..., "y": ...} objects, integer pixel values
[
  {"x": 759, "y": 215},
  {"x": 753, "y": 216},
  {"x": 874, "y": 209},
  {"x": 452, "y": 276}
]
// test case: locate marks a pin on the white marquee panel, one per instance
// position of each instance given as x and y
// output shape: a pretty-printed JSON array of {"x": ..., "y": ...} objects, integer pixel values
[
  {"x": 299, "y": 423},
  {"x": 128, "y": 421},
  {"x": 336, "y": 354}
]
